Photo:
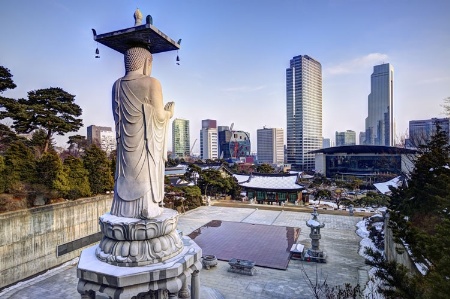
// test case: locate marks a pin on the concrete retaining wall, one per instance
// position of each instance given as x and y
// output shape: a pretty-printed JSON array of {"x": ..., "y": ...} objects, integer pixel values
[
  {"x": 29, "y": 238},
  {"x": 390, "y": 248}
]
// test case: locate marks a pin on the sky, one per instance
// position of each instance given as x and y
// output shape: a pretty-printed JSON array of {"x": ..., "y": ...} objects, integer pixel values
[{"x": 234, "y": 56}]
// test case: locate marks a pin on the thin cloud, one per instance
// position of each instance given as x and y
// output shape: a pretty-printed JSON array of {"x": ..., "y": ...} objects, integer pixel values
[
  {"x": 358, "y": 64},
  {"x": 435, "y": 80},
  {"x": 243, "y": 88}
]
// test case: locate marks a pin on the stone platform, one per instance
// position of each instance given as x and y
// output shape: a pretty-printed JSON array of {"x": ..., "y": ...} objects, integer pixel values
[
  {"x": 154, "y": 280},
  {"x": 344, "y": 265}
]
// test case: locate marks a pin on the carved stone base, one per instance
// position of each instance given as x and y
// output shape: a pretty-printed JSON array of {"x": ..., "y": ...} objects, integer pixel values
[
  {"x": 139, "y": 253},
  {"x": 122, "y": 228},
  {"x": 131, "y": 242},
  {"x": 157, "y": 280}
]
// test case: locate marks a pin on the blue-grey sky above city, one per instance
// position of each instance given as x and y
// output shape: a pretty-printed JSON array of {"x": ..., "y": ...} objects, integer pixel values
[{"x": 234, "y": 55}]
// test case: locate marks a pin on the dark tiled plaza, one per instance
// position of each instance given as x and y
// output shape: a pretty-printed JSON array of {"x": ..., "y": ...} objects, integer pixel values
[{"x": 266, "y": 245}]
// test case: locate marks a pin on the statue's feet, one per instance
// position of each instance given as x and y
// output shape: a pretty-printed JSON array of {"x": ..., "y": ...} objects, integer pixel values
[{"x": 155, "y": 212}]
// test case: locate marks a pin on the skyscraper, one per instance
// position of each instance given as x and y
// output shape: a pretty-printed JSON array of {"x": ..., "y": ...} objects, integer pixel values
[
  {"x": 345, "y": 138},
  {"x": 380, "y": 116},
  {"x": 209, "y": 148},
  {"x": 270, "y": 145},
  {"x": 180, "y": 138},
  {"x": 304, "y": 111},
  {"x": 420, "y": 131}
]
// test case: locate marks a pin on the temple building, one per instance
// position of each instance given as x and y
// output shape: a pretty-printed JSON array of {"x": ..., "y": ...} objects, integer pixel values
[{"x": 272, "y": 187}]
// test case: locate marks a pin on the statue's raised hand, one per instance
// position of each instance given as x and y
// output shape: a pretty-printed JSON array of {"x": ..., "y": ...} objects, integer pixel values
[{"x": 170, "y": 107}]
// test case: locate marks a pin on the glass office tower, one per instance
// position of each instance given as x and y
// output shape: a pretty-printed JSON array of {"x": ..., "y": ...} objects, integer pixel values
[
  {"x": 380, "y": 116},
  {"x": 304, "y": 111}
]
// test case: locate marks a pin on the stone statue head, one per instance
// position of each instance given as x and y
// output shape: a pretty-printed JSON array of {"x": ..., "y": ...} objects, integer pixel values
[{"x": 136, "y": 58}]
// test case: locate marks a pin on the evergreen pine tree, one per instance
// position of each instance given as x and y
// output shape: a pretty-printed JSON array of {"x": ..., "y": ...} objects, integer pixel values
[
  {"x": 97, "y": 164},
  {"x": 20, "y": 166},
  {"x": 420, "y": 217},
  {"x": 78, "y": 178},
  {"x": 51, "y": 173}
]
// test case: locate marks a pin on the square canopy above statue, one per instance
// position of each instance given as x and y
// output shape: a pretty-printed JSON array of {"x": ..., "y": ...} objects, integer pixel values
[{"x": 146, "y": 35}]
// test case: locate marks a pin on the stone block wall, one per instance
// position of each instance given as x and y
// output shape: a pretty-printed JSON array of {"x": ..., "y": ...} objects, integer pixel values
[
  {"x": 390, "y": 248},
  {"x": 30, "y": 239}
]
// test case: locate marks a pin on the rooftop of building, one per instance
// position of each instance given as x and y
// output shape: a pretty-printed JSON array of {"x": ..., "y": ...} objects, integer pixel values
[
  {"x": 364, "y": 149},
  {"x": 274, "y": 181}
]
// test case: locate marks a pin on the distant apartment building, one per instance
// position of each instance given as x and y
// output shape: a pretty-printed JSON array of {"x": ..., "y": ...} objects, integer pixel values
[
  {"x": 346, "y": 138},
  {"x": 224, "y": 136},
  {"x": 270, "y": 144},
  {"x": 180, "y": 138},
  {"x": 303, "y": 111},
  {"x": 380, "y": 117},
  {"x": 326, "y": 142},
  {"x": 420, "y": 131},
  {"x": 209, "y": 148},
  {"x": 234, "y": 144},
  {"x": 103, "y": 137},
  {"x": 362, "y": 138}
]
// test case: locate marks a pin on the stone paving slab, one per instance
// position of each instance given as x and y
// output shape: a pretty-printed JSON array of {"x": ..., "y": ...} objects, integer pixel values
[{"x": 339, "y": 240}]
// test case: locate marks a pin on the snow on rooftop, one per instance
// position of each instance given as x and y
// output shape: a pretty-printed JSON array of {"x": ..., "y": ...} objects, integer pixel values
[
  {"x": 241, "y": 177},
  {"x": 384, "y": 187},
  {"x": 272, "y": 182}
]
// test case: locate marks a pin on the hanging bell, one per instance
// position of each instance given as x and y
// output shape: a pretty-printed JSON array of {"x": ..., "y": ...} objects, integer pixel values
[
  {"x": 97, "y": 53},
  {"x": 178, "y": 60}
]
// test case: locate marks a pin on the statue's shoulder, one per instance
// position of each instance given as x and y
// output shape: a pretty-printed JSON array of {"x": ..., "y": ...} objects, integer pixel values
[{"x": 154, "y": 82}]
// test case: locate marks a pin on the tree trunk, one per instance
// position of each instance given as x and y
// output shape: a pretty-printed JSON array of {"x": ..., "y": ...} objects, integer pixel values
[{"x": 47, "y": 140}]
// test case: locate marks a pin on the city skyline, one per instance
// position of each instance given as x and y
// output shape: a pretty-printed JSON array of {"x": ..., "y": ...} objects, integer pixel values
[{"x": 229, "y": 70}]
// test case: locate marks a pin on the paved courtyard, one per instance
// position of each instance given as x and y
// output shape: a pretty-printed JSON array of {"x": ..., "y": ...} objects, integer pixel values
[{"x": 339, "y": 241}]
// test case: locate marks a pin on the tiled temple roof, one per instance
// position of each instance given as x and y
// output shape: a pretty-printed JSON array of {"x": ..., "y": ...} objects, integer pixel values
[{"x": 270, "y": 181}]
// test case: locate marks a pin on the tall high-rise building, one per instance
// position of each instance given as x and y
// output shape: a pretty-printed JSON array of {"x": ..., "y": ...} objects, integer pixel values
[
  {"x": 209, "y": 148},
  {"x": 420, "y": 131},
  {"x": 345, "y": 138},
  {"x": 103, "y": 137},
  {"x": 380, "y": 117},
  {"x": 270, "y": 145},
  {"x": 304, "y": 111},
  {"x": 180, "y": 138}
]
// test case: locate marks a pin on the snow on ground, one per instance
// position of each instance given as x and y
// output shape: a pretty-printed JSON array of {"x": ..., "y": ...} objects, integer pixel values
[
  {"x": 330, "y": 204},
  {"x": 423, "y": 268},
  {"x": 370, "y": 290},
  {"x": 322, "y": 203}
]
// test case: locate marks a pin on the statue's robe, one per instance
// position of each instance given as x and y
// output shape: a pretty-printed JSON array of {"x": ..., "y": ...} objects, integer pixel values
[{"x": 141, "y": 149}]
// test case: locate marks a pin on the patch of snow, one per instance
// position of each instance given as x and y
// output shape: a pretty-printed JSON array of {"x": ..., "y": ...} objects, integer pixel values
[
  {"x": 381, "y": 210},
  {"x": 376, "y": 215},
  {"x": 423, "y": 269},
  {"x": 371, "y": 289},
  {"x": 312, "y": 222},
  {"x": 362, "y": 229},
  {"x": 324, "y": 203},
  {"x": 379, "y": 226}
]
